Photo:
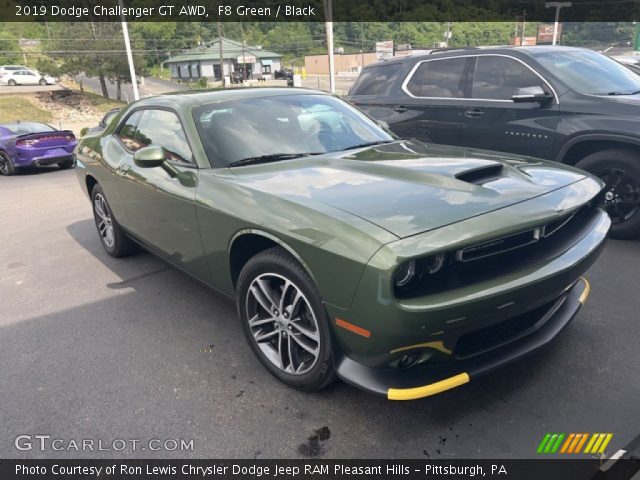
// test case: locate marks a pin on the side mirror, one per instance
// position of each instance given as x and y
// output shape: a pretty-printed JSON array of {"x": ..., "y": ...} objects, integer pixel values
[
  {"x": 149, "y": 157},
  {"x": 531, "y": 94}
]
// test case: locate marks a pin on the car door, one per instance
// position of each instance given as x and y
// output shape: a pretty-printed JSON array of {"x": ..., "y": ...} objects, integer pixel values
[
  {"x": 28, "y": 78},
  {"x": 493, "y": 121},
  {"x": 160, "y": 202},
  {"x": 432, "y": 110}
]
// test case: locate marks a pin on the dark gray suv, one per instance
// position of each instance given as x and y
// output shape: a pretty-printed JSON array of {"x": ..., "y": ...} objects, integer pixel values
[{"x": 571, "y": 105}]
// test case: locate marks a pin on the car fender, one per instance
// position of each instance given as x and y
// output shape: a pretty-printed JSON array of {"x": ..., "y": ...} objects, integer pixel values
[
  {"x": 602, "y": 137},
  {"x": 275, "y": 239}
]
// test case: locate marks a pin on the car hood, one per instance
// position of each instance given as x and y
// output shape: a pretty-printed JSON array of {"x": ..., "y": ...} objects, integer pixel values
[{"x": 407, "y": 187}]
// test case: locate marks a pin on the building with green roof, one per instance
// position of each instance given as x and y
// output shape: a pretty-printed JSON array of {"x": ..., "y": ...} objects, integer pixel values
[{"x": 204, "y": 61}]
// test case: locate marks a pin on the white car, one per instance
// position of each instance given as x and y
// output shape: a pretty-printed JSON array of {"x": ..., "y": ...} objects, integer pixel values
[{"x": 25, "y": 77}]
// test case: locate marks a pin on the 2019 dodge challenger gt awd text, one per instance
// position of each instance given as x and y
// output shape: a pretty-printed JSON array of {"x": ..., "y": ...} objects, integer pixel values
[{"x": 402, "y": 268}]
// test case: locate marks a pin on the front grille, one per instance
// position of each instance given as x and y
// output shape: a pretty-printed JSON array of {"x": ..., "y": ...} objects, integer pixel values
[{"x": 488, "y": 338}]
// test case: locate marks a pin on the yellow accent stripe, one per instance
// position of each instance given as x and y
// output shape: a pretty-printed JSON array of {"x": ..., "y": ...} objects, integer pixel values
[
  {"x": 427, "y": 390},
  {"x": 607, "y": 439},
  {"x": 596, "y": 445},
  {"x": 435, "y": 345},
  {"x": 591, "y": 442},
  {"x": 585, "y": 292}
]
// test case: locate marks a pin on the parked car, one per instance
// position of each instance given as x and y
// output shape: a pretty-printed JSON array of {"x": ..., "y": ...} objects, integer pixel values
[
  {"x": 402, "y": 268},
  {"x": 283, "y": 74},
  {"x": 26, "y": 77},
  {"x": 571, "y": 105},
  {"x": 32, "y": 144},
  {"x": 237, "y": 76},
  {"x": 11, "y": 68},
  {"x": 108, "y": 117}
]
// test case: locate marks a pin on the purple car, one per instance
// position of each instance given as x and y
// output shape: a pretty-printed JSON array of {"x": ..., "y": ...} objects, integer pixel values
[{"x": 32, "y": 144}]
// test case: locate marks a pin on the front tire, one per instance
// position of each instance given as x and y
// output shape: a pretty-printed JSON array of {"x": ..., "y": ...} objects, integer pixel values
[
  {"x": 12, "y": 83},
  {"x": 42, "y": 82},
  {"x": 6, "y": 165},
  {"x": 112, "y": 237},
  {"x": 620, "y": 170},
  {"x": 285, "y": 321}
]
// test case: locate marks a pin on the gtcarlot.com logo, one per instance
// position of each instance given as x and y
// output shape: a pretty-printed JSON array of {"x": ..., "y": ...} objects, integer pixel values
[
  {"x": 50, "y": 443},
  {"x": 575, "y": 443}
]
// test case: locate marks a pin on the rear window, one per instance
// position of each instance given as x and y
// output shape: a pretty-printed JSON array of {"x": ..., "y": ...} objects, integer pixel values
[
  {"x": 25, "y": 128},
  {"x": 376, "y": 80}
]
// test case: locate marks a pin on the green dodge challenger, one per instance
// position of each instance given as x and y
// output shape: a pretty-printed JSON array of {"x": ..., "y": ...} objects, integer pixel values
[{"x": 402, "y": 268}]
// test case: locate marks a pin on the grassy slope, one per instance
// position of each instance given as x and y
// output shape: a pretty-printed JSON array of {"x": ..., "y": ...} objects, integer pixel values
[{"x": 14, "y": 108}]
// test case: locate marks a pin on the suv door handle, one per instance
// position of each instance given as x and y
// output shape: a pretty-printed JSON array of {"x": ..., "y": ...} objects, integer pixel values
[
  {"x": 400, "y": 109},
  {"x": 474, "y": 113},
  {"x": 124, "y": 168}
]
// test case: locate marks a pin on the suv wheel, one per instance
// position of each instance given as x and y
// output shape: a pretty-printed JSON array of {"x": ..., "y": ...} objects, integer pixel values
[
  {"x": 285, "y": 321},
  {"x": 620, "y": 170}
]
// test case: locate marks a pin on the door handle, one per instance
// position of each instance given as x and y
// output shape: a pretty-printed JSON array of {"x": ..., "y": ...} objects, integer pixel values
[
  {"x": 474, "y": 113},
  {"x": 400, "y": 109},
  {"x": 124, "y": 168}
]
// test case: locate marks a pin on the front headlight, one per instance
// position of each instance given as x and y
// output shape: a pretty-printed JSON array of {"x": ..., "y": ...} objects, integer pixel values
[
  {"x": 405, "y": 273},
  {"x": 413, "y": 273}
]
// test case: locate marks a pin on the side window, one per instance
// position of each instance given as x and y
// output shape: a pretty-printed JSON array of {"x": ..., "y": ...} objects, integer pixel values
[
  {"x": 376, "y": 80},
  {"x": 127, "y": 132},
  {"x": 438, "y": 78},
  {"x": 163, "y": 128},
  {"x": 498, "y": 78}
]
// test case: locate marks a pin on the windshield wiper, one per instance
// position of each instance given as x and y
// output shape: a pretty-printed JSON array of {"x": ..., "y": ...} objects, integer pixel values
[
  {"x": 369, "y": 144},
  {"x": 272, "y": 157},
  {"x": 623, "y": 93}
]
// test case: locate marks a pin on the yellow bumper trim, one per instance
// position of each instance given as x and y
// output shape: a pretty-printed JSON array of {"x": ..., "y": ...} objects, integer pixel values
[
  {"x": 427, "y": 390},
  {"x": 585, "y": 292}
]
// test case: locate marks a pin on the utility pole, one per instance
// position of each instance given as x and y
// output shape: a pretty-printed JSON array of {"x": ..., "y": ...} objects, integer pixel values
[
  {"x": 244, "y": 61},
  {"x": 221, "y": 54},
  {"x": 557, "y": 6},
  {"x": 127, "y": 44},
  {"x": 448, "y": 33},
  {"x": 328, "y": 16},
  {"x": 524, "y": 25}
]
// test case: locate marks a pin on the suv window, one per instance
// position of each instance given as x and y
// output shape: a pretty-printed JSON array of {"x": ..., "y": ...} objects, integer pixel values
[
  {"x": 438, "y": 78},
  {"x": 498, "y": 78},
  {"x": 376, "y": 80},
  {"x": 163, "y": 128}
]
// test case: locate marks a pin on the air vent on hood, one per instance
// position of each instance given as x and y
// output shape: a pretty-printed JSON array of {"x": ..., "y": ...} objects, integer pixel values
[{"x": 481, "y": 175}]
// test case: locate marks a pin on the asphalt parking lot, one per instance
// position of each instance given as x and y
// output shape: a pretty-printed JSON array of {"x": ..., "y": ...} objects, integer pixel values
[{"x": 100, "y": 348}]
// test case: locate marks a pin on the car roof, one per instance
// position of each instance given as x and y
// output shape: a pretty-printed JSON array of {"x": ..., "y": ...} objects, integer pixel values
[
  {"x": 456, "y": 52},
  {"x": 203, "y": 97}
]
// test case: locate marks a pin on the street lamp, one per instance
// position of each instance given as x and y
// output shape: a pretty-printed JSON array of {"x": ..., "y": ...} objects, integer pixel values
[{"x": 557, "y": 6}]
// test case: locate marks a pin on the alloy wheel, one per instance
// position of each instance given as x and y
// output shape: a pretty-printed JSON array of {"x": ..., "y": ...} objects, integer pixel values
[
  {"x": 283, "y": 324},
  {"x": 4, "y": 164},
  {"x": 622, "y": 194},
  {"x": 104, "y": 221}
]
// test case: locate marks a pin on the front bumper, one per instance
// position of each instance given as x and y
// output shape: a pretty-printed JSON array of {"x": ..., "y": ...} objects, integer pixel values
[{"x": 424, "y": 381}]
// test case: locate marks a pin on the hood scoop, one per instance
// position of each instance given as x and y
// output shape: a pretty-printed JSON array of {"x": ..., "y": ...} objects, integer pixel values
[{"x": 482, "y": 175}]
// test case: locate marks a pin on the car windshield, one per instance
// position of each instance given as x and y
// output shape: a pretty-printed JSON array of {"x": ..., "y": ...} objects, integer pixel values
[
  {"x": 590, "y": 72},
  {"x": 280, "y": 127},
  {"x": 25, "y": 128}
]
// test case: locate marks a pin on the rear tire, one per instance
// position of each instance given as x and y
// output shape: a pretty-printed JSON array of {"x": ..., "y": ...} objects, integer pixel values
[
  {"x": 112, "y": 237},
  {"x": 620, "y": 170},
  {"x": 287, "y": 327},
  {"x": 6, "y": 165}
]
